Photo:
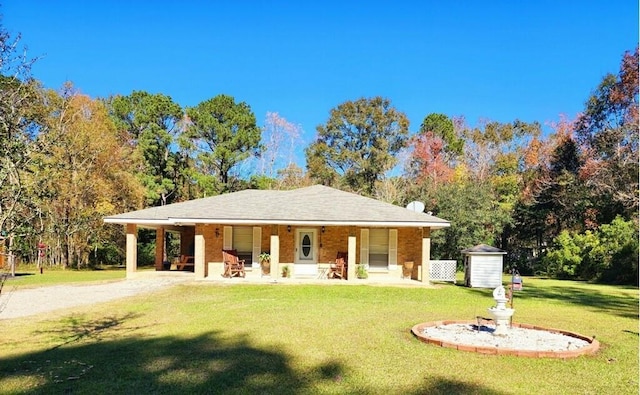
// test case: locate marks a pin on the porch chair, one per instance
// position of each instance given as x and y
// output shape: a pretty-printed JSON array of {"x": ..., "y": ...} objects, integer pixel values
[
  {"x": 339, "y": 268},
  {"x": 186, "y": 261},
  {"x": 233, "y": 267}
]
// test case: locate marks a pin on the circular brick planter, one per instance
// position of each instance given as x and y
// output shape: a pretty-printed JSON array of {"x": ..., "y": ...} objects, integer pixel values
[{"x": 592, "y": 347}]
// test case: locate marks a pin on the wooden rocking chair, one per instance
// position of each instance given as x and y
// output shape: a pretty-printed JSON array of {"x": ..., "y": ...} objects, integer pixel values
[
  {"x": 339, "y": 268},
  {"x": 186, "y": 262},
  {"x": 233, "y": 267}
]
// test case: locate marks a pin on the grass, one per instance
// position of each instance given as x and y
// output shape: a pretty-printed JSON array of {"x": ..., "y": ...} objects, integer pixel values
[
  {"x": 310, "y": 339},
  {"x": 28, "y": 276}
]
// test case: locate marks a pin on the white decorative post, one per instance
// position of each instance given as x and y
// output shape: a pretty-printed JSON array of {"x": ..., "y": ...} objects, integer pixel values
[
  {"x": 132, "y": 249},
  {"x": 426, "y": 255},
  {"x": 198, "y": 250},
  {"x": 351, "y": 259},
  {"x": 275, "y": 256}
]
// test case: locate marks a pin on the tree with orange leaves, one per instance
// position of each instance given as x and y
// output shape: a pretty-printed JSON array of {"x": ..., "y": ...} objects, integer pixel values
[
  {"x": 608, "y": 131},
  {"x": 435, "y": 150}
]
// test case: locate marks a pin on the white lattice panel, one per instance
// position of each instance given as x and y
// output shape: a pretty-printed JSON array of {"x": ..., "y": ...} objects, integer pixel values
[{"x": 442, "y": 271}]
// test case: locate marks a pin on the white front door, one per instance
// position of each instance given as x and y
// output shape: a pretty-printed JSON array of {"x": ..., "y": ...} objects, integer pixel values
[{"x": 306, "y": 257}]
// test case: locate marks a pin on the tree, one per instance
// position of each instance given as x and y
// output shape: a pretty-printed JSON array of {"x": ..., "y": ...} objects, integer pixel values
[
  {"x": 358, "y": 144},
  {"x": 528, "y": 235},
  {"x": 20, "y": 120},
  {"x": 608, "y": 129},
  {"x": 222, "y": 134},
  {"x": 448, "y": 130},
  {"x": 84, "y": 174},
  {"x": 392, "y": 190},
  {"x": 486, "y": 145},
  {"x": 436, "y": 148},
  {"x": 292, "y": 177},
  {"x": 553, "y": 197},
  {"x": 494, "y": 153},
  {"x": 473, "y": 211},
  {"x": 277, "y": 132},
  {"x": 152, "y": 124}
]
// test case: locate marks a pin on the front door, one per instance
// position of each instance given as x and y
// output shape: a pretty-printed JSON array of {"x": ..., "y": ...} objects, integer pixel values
[{"x": 306, "y": 252}]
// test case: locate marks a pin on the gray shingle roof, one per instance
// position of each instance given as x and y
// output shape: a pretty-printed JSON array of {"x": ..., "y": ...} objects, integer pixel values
[
  {"x": 315, "y": 205},
  {"x": 483, "y": 248}
]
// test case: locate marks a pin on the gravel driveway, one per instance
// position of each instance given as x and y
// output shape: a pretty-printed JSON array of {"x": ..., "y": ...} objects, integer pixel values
[{"x": 26, "y": 302}]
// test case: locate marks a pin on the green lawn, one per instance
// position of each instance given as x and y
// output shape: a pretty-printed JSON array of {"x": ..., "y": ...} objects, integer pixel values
[
  {"x": 310, "y": 339},
  {"x": 27, "y": 276}
]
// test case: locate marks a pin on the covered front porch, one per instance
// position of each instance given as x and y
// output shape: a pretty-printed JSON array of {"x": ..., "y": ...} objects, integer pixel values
[{"x": 307, "y": 249}]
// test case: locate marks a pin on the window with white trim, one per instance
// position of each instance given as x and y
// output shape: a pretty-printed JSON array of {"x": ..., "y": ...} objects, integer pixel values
[
  {"x": 378, "y": 248},
  {"x": 243, "y": 242}
]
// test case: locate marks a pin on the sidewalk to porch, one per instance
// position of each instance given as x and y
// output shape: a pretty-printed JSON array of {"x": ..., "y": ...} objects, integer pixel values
[
  {"x": 381, "y": 281},
  {"x": 302, "y": 280}
]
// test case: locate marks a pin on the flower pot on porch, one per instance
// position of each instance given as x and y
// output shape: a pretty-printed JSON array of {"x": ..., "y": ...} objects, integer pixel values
[
  {"x": 407, "y": 269},
  {"x": 265, "y": 263},
  {"x": 266, "y": 268}
]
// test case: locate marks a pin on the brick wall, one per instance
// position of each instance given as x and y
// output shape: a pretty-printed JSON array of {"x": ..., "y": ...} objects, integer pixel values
[
  {"x": 333, "y": 240},
  {"x": 287, "y": 241},
  {"x": 212, "y": 244},
  {"x": 409, "y": 245},
  {"x": 265, "y": 242}
]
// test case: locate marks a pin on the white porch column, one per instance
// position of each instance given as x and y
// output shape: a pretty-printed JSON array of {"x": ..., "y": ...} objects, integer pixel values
[
  {"x": 198, "y": 253},
  {"x": 275, "y": 256},
  {"x": 426, "y": 255},
  {"x": 351, "y": 259},
  {"x": 132, "y": 249}
]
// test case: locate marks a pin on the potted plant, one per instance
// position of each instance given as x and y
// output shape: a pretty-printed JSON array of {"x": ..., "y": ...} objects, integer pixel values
[
  {"x": 286, "y": 271},
  {"x": 361, "y": 271},
  {"x": 265, "y": 263},
  {"x": 407, "y": 269}
]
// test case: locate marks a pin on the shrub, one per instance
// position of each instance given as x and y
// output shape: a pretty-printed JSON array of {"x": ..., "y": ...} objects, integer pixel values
[
  {"x": 620, "y": 242},
  {"x": 562, "y": 260},
  {"x": 609, "y": 254}
]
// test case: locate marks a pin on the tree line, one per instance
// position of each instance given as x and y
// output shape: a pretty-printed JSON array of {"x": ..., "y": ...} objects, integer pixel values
[{"x": 563, "y": 204}]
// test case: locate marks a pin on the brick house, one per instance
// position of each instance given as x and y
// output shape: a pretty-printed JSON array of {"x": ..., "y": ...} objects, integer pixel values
[{"x": 303, "y": 228}]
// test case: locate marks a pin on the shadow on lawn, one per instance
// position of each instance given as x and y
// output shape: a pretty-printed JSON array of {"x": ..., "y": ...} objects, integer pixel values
[
  {"x": 96, "y": 357},
  {"x": 618, "y": 304},
  {"x": 110, "y": 363},
  {"x": 77, "y": 329},
  {"x": 448, "y": 386}
]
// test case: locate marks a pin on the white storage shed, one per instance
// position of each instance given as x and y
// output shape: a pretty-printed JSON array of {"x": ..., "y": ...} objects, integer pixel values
[{"x": 483, "y": 266}]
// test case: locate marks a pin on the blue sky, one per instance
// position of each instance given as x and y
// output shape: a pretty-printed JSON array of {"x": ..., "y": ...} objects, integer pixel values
[{"x": 495, "y": 60}]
